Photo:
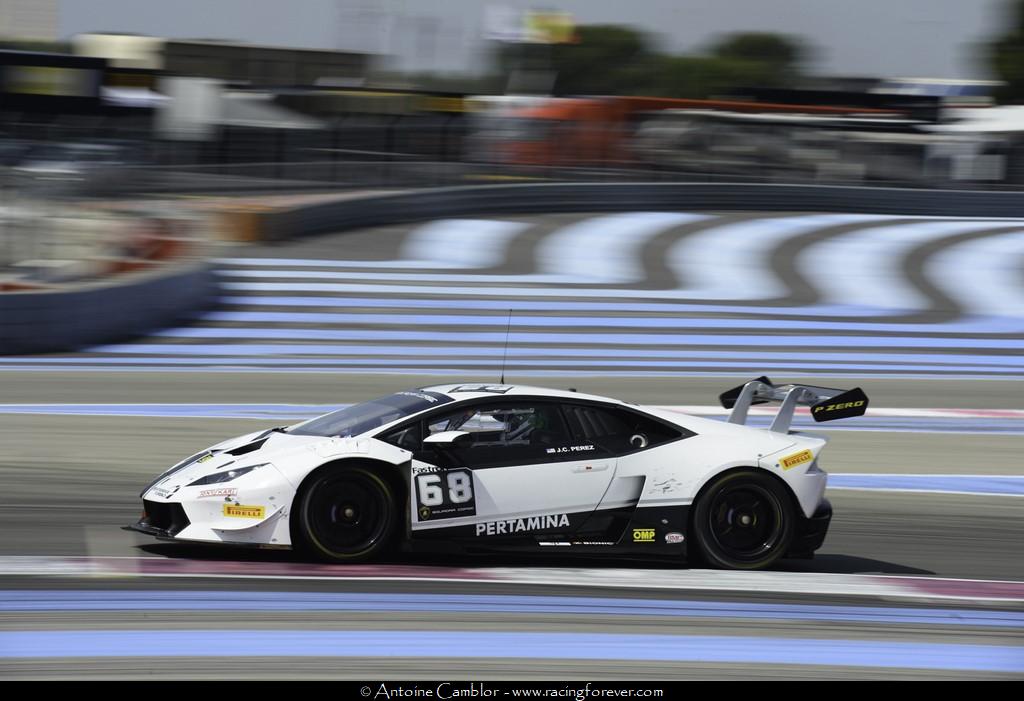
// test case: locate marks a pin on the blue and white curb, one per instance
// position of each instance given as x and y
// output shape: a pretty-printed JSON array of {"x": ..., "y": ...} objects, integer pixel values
[{"x": 426, "y": 309}]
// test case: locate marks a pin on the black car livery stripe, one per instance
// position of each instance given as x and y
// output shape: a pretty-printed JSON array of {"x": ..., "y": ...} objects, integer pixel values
[{"x": 610, "y": 527}]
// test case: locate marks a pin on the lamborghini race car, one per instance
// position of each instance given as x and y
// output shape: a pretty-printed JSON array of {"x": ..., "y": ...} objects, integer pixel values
[{"x": 488, "y": 468}]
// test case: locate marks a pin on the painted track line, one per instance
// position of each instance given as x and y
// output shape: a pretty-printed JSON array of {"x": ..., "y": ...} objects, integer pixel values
[
  {"x": 704, "y": 410},
  {"x": 887, "y": 419},
  {"x": 732, "y": 261},
  {"x": 864, "y": 267},
  {"x": 983, "y": 274},
  {"x": 987, "y": 325},
  {"x": 221, "y": 600},
  {"x": 875, "y": 419},
  {"x": 982, "y": 485},
  {"x": 524, "y": 645}
]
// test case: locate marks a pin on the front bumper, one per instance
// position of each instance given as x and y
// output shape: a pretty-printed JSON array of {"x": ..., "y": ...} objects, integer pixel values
[
  {"x": 161, "y": 520},
  {"x": 259, "y": 522},
  {"x": 810, "y": 532}
]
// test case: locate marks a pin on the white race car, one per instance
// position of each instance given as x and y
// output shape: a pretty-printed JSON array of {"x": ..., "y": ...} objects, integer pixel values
[{"x": 489, "y": 468}]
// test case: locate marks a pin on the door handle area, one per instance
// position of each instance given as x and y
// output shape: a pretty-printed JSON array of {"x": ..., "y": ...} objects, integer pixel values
[{"x": 591, "y": 467}]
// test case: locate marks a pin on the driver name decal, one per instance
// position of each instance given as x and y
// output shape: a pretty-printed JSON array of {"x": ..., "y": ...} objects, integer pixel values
[
  {"x": 569, "y": 449},
  {"x": 519, "y": 525}
]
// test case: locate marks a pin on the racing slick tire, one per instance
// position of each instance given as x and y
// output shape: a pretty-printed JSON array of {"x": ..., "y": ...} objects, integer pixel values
[
  {"x": 346, "y": 514},
  {"x": 743, "y": 520}
]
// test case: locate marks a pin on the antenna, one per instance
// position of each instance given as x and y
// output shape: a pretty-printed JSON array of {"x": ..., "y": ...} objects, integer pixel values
[{"x": 504, "y": 355}]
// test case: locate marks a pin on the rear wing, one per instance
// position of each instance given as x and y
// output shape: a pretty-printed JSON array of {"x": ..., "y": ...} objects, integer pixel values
[{"x": 826, "y": 403}]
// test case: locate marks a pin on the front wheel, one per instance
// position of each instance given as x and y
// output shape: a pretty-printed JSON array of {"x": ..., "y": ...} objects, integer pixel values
[
  {"x": 743, "y": 521},
  {"x": 347, "y": 514}
]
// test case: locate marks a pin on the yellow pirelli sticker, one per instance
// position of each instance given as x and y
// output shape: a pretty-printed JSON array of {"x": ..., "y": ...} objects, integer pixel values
[
  {"x": 795, "y": 459},
  {"x": 240, "y": 511},
  {"x": 643, "y": 535}
]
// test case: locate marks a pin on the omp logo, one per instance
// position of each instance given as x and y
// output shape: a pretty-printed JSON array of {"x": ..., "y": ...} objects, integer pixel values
[
  {"x": 837, "y": 407},
  {"x": 643, "y": 535},
  {"x": 239, "y": 511},
  {"x": 800, "y": 458}
]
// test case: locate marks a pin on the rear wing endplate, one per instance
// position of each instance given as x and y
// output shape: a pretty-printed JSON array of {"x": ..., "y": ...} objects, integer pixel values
[{"x": 826, "y": 403}]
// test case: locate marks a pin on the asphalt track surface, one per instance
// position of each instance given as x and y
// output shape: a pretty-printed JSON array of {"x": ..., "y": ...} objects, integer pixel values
[
  {"x": 69, "y": 482},
  {"x": 926, "y": 315}
]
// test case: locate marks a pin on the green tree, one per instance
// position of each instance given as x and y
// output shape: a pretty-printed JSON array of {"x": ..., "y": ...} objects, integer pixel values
[
  {"x": 1006, "y": 55},
  {"x": 616, "y": 60},
  {"x": 771, "y": 59},
  {"x": 51, "y": 47},
  {"x": 761, "y": 47},
  {"x": 701, "y": 76},
  {"x": 600, "y": 60}
]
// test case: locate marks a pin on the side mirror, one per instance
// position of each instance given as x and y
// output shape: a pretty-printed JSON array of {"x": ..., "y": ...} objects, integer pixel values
[{"x": 449, "y": 439}]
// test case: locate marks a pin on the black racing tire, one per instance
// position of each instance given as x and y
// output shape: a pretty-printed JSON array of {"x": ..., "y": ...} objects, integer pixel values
[
  {"x": 347, "y": 514},
  {"x": 743, "y": 520}
]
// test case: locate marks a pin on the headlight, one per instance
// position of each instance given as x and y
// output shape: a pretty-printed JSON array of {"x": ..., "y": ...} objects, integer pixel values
[
  {"x": 181, "y": 465},
  {"x": 226, "y": 476}
]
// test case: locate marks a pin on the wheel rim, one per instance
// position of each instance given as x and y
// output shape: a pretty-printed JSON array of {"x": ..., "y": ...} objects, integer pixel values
[
  {"x": 746, "y": 521},
  {"x": 348, "y": 514}
]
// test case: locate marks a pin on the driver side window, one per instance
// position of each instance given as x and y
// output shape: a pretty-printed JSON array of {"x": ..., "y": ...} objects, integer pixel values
[
  {"x": 619, "y": 431},
  {"x": 504, "y": 425},
  {"x": 407, "y": 438},
  {"x": 501, "y": 433}
]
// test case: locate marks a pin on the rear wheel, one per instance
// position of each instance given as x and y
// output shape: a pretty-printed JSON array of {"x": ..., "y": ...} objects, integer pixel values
[
  {"x": 744, "y": 520},
  {"x": 347, "y": 514}
]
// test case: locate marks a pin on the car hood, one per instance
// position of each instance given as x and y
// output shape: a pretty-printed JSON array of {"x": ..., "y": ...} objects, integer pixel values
[{"x": 267, "y": 446}]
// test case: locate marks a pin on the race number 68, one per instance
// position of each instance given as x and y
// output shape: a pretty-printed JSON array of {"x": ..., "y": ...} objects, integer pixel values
[{"x": 460, "y": 488}]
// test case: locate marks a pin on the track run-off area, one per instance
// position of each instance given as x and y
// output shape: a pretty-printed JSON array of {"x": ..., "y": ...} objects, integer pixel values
[
  {"x": 921, "y": 576},
  {"x": 614, "y": 294}
]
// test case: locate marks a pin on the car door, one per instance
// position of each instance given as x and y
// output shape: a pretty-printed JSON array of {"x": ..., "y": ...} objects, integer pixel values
[{"x": 518, "y": 473}]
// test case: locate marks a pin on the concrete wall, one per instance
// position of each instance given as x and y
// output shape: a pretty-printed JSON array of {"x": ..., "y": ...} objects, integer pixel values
[
  {"x": 351, "y": 213},
  {"x": 115, "y": 308}
]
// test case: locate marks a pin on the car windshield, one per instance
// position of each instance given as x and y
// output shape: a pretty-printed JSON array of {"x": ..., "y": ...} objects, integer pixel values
[{"x": 360, "y": 418}]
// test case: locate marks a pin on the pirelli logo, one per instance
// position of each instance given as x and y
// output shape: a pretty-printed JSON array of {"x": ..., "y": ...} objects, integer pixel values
[
  {"x": 791, "y": 461},
  {"x": 643, "y": 535},
  {"x": 240, "y": 511}
]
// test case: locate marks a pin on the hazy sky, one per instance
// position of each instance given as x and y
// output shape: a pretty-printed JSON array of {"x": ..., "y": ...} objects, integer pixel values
[{"x": 934, "y": 38}]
